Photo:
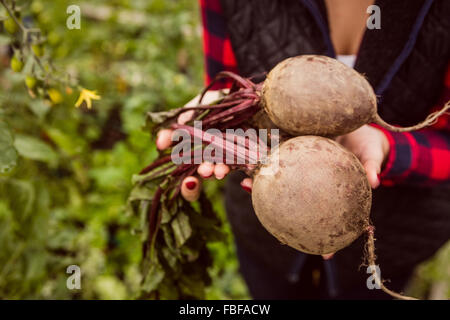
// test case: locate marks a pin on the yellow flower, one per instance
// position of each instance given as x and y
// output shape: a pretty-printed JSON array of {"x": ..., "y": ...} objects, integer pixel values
[{"x": 88, "y": 96}]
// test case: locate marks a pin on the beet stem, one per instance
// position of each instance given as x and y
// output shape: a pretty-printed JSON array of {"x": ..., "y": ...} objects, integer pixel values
[
  {"x": 214, "y": 106},
  {"x": 239, "y": 108},
  {"x": 155, "y": 164},
  {"x": 152, "y": 213},
  {"x": 215, "y": 141}
]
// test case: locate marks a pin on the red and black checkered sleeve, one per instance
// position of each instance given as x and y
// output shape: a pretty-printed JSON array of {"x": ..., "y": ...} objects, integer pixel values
[
  {"x": 421, "y": 157},
  {"x": 219, "y": 55}
]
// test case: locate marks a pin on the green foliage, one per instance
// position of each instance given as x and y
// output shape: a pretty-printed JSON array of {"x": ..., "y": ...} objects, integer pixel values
[
  {"x": 432, "y": 278},
  {"x": 66, "y": 171},
  {"x": 8, "y": 154},
  {"x": 174, "y": 234}
]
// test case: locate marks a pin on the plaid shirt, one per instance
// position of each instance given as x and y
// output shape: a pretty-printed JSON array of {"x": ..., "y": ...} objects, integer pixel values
[{"x": 421, "y": 157}]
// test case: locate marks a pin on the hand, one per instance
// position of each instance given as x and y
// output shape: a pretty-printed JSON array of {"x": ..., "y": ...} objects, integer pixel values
[
  {"x": 191, "y": 186},
  {"x": 371, "y": 147}
]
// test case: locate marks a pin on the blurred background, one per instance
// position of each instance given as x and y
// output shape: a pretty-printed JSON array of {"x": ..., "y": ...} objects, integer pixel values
[{"x": 66, "y": 171}]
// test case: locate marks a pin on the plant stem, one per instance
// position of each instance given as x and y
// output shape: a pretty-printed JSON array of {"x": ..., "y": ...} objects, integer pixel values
[
  {"x": 216, "y": 141},
  {"x": 156, "y": 164}
]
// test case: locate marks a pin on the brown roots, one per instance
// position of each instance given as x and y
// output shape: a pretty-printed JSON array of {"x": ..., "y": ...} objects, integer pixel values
[
  {"x": 371, "y": 258},
  {"x": 430, "y": 120}
]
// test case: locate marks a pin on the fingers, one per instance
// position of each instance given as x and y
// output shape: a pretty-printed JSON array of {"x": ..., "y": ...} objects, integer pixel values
[
  {"x": 185, "y": 117},
  {"x": 164, "y": 139},
  {"x": 247, "y": 184},
  {"x": 327, "y": 256},
  {"x": 206, "y": 170},
  {"x": 373, "y": 169},
  {"x": 221, "y": 170},
  {"x": 190, "y": 188},
  {"x": 209, "y": 97}
]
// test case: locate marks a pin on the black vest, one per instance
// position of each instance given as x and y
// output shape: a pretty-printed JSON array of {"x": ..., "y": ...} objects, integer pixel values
[{"x": 405, "y": 62}]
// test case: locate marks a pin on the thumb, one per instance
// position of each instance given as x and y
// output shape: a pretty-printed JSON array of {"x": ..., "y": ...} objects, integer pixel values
[
  {"x": 247, "y": 184},
  {"x": 372, "y": 168},
  {"x": 164, "y": 139},
  {"x": 185, "y": 117}
]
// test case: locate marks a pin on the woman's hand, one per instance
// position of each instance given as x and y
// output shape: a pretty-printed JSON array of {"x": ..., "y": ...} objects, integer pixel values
[
  {"x": 191, "y": 186},
  {"x": 371, "y": 146},
  {"x": 368, "y": 143}
]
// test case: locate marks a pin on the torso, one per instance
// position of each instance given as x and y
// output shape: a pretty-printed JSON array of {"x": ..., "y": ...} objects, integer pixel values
[
  {"x": 407, "y": 84},
  {"x": 404, "y": 61},
  {"x": 347, "y": 23}
]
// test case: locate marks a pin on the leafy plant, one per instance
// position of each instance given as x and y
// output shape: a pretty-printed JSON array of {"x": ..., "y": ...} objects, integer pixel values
[{"x": 66, "y": 171}]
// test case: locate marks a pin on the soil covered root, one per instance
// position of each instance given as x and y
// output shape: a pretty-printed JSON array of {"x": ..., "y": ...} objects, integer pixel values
[
  {"x": 429, "y": 121},
  {"x": 318, "y": 95},
  {"x": 371, "y": 258}
]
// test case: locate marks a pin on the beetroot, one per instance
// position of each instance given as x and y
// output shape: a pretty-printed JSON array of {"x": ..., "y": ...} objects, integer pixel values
[
  {"x": 312, "y": 195},
  {"x": 303, "y": 95},
  {"x": 318, "y": 95}
]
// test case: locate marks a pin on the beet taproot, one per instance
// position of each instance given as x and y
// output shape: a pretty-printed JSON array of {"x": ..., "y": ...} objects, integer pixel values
[
  {"x": 318, "y": 95},
  {"x": 302, "y": 95},
  {"x": 312, "y": 195}
]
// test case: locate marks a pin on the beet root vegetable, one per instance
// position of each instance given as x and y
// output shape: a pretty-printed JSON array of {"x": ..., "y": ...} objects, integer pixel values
[
  {"x": 313, "y": 195},
  {"x": 310, "y": 193},
  {"x": 318, "y": 201},
  {"x": 303, "y": 95},
  {"x": 318, "y": 95},
  {"x": 318, "y": 198}
]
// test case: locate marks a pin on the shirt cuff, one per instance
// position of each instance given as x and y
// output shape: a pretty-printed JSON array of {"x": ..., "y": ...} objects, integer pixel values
[{"x": 397, "y": 163}]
